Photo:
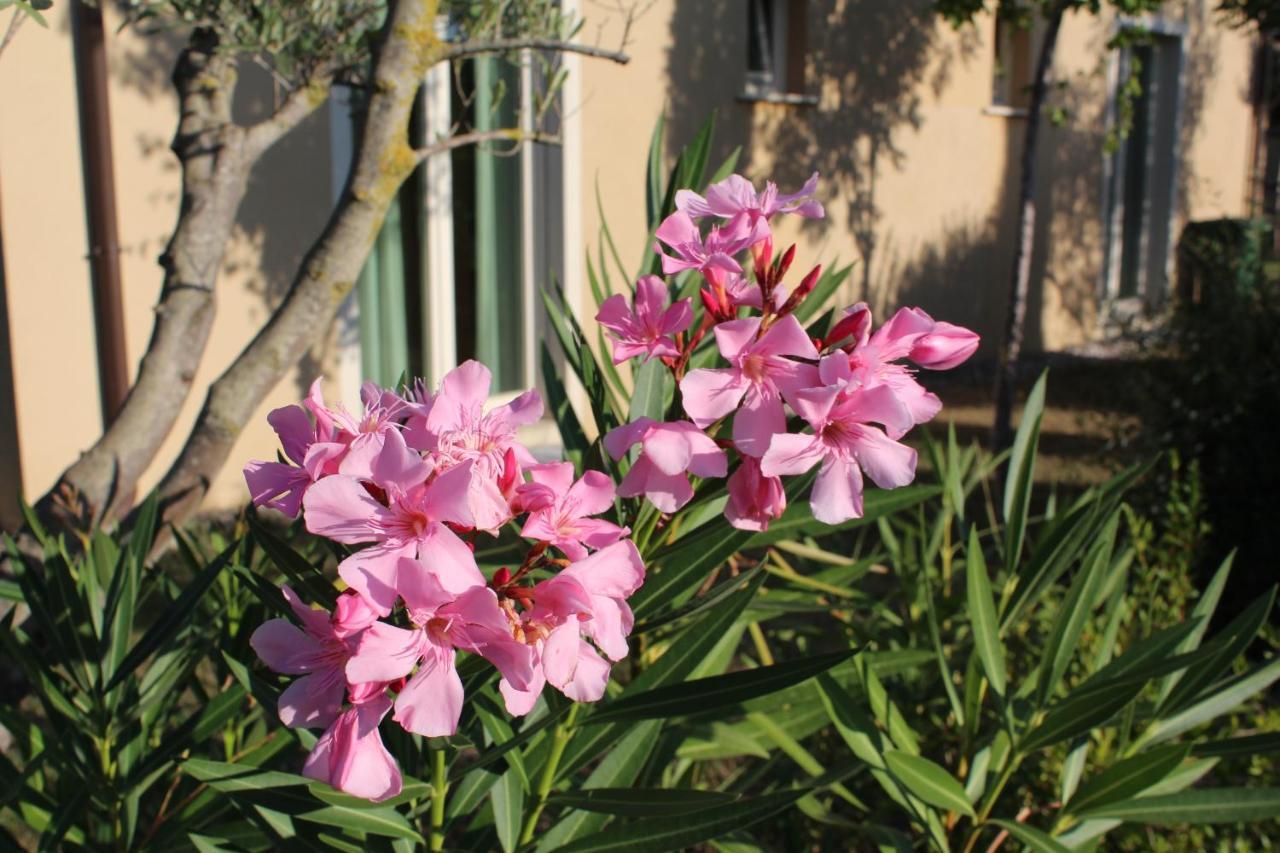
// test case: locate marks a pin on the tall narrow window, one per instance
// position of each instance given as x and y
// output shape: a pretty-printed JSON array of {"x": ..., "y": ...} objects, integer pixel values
[
  {"x": 454, "y": 272},
  {"x": 1014, "y": 67},
  {"x": 776, "y": 51}
]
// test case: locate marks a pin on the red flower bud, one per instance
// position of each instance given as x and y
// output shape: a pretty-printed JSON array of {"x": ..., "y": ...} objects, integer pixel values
[{"x": 501, "y": 577}]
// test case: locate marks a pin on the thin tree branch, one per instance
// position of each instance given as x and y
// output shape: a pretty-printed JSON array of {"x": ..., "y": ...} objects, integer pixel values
[
  {"x": 468, "y": 48},
  {"x": 507, "y": 134},
  {"x": 19, "y": 17},
  {"x": 297, "y": 105}
]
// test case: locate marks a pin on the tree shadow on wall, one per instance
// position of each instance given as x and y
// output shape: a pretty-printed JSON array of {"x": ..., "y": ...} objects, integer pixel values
[{"x": 869, "y": 62}]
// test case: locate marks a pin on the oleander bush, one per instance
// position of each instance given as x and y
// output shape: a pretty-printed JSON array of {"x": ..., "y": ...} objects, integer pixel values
[{"x": 657, "y": 643}]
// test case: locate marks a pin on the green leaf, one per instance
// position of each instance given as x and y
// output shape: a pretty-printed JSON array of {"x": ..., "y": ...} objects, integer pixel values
[
  {"x": 1035, "y": 839},
  {"x": 619, "y": 768},
  {"x": 643, "y": 802},
  {"x": 653, "y": 834},
  {"x": 828, "y": 283},
  {"x": 1022, "y": 465},
  {"x": 982, "y": 610},
  {"x": 1201, "y": 616},
  {"x": 675, "y": 569},
  {"x": 507, "y": 798},
  {"x": 1224, "y": 698},
  {"x": 1266, "y": 744},
  {"x": 1128, "y": 778},
  {"x": 719, "y": 691},
  {"x": 798, "y": 521},
  {"x": 174, "y": 618},
  {"x": 297, "y": 568},
  {"x": 694, "y": 606},
  {"x": 653, "y": 392},
  {"x": 928, "y": 781},
  {"x": 1074, "y": 611},
  {"x": 1226, "y": 646},
  {"x": 1200, "y": 805},
  {"x": 653, "y": 195}
]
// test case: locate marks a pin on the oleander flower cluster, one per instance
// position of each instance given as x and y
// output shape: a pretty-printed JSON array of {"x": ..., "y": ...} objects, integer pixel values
[
  {"x": 783, "y": 400},
  {"x": 413, "y": 481}
]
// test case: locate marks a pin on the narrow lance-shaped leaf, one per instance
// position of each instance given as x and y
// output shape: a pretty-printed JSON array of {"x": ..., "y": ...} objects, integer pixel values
[
  {"x": 982, "y": 611},
  {"x": 928, "y": 781},
  {"x": 1022, "y": 464}
]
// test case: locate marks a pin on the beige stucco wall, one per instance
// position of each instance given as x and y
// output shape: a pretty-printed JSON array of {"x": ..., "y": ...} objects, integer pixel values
[
  {"x": 48, "y": 284},
  {"x": 918, "y": 182},
  {"x": 919, "y": 179}
]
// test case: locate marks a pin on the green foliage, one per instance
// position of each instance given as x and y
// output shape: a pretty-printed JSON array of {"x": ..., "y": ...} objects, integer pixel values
[{"x": 936, "y": 674}]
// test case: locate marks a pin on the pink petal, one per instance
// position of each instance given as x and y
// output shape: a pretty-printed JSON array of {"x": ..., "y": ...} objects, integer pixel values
[
  {"x": 692, "y": 204},
  {"x": 615, "y": 315},
  {"x": 431, "y": 702},
  {"x": 786, "y": 337},
  {"x": 888, "y": 463},
  {"x": 293, "y": 427},
  {"x": 758, "y": 421},
  {"x": 790, "y": 453},
  {"x": 385, "y": 653},
  {"x": 284, "y": 648},
  {"x": 678, "y": 229},
  {"x": 707, "y": 460},
  {"x": 709, "y": 395},
  {"x": 396, "y": 465},
  {"x": 668, "y": 449},
  {"x": 420, "y": 587},
  {"x": 523, "y": 410},
  {"x": 814, "y": 404},
  {"x": 668, "y": 492},
  {"x": 560, "y": 654},
  {"x": 350, "y": 755},
  {"x": 313, "y": 701},
  {"x": 521, "y": 701},
  {"x": 597, "y": 533},
  {"x": 468, "y": 384},
  {"x": 677, "y": 318},
  {"x": 590, "y": 676},
  {"x": 837, "y": 493},
  {"x": 620, "y": 439},
  {"x": 736, "y": 335},
  {"x": 449, "y": 559},
  {"x": 372, "y": 572},
  {"x": 945, "y": 347},
  {"x": 315, "y": 622},
  {"x": 340, "y": 508},
  {"x": 462, "y": 495},
  {"x": 616, "y": 571},
  {"x": 592, "y": 494},
  {"x": 557, "y": 476},
  {"x": 276, "y": 485}
]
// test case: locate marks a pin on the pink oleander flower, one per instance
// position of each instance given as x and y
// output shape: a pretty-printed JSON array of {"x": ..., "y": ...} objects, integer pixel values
[
  {"x": 363, "y": 435},
  {"x": 649, "y": 326},
  {"x": 668, "y": 452},
  {"x": 945, "y": 347},
  {"x": 318, "y": 652},
  {"x": 844, "y": 440},
  {"x": 735, "y": 195},
  {"x": 457, "y": 429},
  {"x": 431, "y": 701},
  {"x": 411, "y": 524},
  {"x": 754, "y": 499},
  {"x": 350, "y": 755},
  {"x": 312, "y": 450},
  {"x": 712, "y": 255},
  {"x": 560, "y": 509},
  {"x": 763, "y": 370},
  {"x": 586, "y": 601}
]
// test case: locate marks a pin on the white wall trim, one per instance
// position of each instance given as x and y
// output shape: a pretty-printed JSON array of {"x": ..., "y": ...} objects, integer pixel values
[
  {"x": 439, "y": 324},
  {"x": 348, "y": 364}
]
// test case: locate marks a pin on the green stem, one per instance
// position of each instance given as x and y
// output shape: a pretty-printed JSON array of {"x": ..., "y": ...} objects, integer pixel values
[
  {"x": 990, "y": 802},
  {"x": 439, "y": 790},
  {"x": 559, "y": 740}
]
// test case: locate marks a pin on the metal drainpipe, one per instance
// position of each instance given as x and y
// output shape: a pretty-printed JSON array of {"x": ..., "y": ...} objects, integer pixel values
[{"x": 88, "y": 44}]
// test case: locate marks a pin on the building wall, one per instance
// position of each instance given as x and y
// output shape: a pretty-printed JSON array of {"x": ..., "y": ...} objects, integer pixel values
[
  {"x": 48, "y": 282},
  {"x": 919, "y": 177}
]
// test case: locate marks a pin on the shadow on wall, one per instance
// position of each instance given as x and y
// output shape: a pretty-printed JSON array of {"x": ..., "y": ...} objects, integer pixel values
[
  {"x": 289, "y": 196},
  {"x": 871, "y": 63}
]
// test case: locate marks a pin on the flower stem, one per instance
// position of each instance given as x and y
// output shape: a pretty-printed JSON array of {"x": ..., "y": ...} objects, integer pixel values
[
  {"x": 560, "y": 739},
  {"x": 439, "y": 789}
]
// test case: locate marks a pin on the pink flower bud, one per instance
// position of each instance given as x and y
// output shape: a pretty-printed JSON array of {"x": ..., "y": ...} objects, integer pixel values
[{"x": 945, "y": 347}]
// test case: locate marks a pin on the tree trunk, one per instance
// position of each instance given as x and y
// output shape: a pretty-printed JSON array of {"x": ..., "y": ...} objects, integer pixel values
[
  {"x": 383, "y": 162},
  {"x": 1020, "y": 280},
  {"x": 216, "y": 157}
]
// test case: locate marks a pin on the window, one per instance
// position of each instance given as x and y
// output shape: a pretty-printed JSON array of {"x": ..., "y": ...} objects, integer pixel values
[
  {"x": 1014, "y": 66},
  {"x": 776, "y": 48},
  {"x": 455, "y": 270},
  {"x": 1141, "y": 173}
]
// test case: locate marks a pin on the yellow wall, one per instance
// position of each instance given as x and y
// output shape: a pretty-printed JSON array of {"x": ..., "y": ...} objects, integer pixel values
[
  {"x": 918, "y": 182},
  {"x": 919, "y": 179},
  {"x": 48, "y": 284}
]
